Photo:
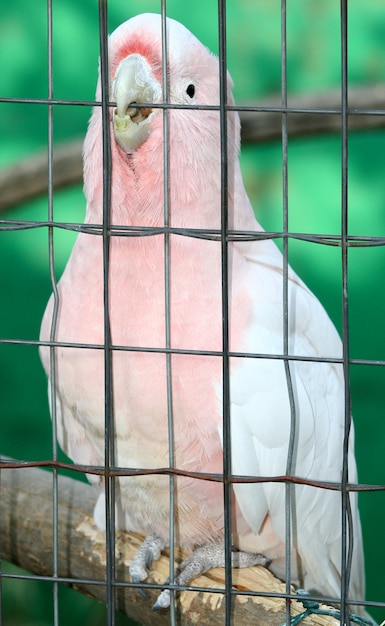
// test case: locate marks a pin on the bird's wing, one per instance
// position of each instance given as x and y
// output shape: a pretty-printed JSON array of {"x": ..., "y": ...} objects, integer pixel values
[{"x": 261, "y": 417}]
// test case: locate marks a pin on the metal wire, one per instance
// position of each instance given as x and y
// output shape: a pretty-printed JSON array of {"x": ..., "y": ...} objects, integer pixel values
[
  {"x": 346, "y": 521},
  {"x": 290, "y": 462},
  {"x": 109, "y": 450},
  {"x": 167, "y": 284},
  {"x": 55, "y": 499},
  {"x": 226, "y": 416},
  {"x": 110, "y": 471}
]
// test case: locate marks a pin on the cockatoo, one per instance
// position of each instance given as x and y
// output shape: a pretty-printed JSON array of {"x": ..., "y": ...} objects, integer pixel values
[{"x": 259, "y": 398}]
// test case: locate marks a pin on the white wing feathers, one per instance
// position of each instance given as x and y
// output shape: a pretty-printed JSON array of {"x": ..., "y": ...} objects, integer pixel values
[{"x": 260, "y": 414}]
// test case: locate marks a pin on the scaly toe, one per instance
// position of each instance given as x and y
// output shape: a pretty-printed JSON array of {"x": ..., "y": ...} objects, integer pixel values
[
  {"x": 163, "y": 601},
  {"x": 136, "y": 579},
  {"x": 149, "y": 558},
  {"x": 149, "y": 551}
]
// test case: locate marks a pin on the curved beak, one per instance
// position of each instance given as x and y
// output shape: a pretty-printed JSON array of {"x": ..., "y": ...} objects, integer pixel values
[{"x": 133, "y": 84}]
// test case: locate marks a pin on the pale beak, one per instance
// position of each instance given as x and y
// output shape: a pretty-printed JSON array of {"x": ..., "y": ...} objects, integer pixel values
[{"x": 134, "y": 84}]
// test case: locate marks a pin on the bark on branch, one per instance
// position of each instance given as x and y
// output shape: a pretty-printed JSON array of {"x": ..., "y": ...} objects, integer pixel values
[
  {"x": 26, "y": 534},
  {"x": 29, "y": 178}
]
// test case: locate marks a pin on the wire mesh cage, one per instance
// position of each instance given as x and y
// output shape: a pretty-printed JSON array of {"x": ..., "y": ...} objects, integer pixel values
[{"x": 312, "y": 161}]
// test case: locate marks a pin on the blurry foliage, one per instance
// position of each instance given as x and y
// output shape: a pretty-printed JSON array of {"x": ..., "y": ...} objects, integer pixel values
[{"x": 254, "y": 32}]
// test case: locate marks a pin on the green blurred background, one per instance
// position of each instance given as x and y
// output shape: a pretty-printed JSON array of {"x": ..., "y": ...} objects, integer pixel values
[{"x": 314, "y": 206}]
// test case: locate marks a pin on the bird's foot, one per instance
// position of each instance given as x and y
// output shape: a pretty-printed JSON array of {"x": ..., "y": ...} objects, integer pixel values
[
  {"x": 148, "y": 552},
  {"x": 203, "y": 559}
]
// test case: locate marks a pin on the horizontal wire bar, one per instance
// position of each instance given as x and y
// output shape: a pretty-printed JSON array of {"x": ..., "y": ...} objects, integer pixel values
[
  {"x": 205, "y": 476},
  {"x": 187, "y": 351},
  {"x": 358, "y": 241},
  {"x": 60, "y": 579},
  {"x": 146, "y": 585},
  {"x": 193, "y": 588},
  {"x": 198, "y": 107}
]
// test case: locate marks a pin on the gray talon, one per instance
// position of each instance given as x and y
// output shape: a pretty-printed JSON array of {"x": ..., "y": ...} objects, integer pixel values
[
  {"x": 149, "y": 559},
  {"x": 136, "y": 579},
  {"x": 200, "y": 561},
  {"x": 148, "y": 552},
  {"x": 163, "y": 601}
]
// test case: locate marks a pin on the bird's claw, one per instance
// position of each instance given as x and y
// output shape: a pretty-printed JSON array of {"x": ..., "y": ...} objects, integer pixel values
[
  {"x": 202, "y": 560},
  {"x": 163, "y": 601},
  {"x": 199, "y": 562},
  {"x": 141, "y": 591},
  {"x": 149, "y": 551},
  {"x": 149, "y": 559}
]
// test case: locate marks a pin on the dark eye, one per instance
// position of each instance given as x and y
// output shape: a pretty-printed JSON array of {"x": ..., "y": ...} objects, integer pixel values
[{"x": 190, "y": 90}]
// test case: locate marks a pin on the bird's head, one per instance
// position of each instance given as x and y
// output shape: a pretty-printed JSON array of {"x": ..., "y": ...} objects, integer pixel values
[
  {"x": 191, "y": 97},
  {"x": 137, "y": 77}
]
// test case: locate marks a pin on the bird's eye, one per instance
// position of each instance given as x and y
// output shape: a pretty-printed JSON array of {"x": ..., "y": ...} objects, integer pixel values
[{"x": 190, "y": 90}]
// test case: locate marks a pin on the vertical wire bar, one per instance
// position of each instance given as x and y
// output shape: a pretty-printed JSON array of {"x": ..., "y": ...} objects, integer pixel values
[
  {"x": 346, "y": 521},
  {"x": 170, "y": 420},
  {"x": 55, "y": 586},
  {"x": 227, "y": 485},
  {"x": 289, "y": 488},
  {"x": 109, "y": 434}
]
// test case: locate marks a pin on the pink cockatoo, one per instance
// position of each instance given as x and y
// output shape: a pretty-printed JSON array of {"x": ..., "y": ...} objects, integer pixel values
[{"x": 259, "y": 397}]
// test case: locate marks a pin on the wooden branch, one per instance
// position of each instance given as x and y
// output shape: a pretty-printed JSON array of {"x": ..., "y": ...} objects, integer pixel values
[
  {"x": 267, "y": 125},
  {"x": 26, "y": 534},
  {"x": 29, "y": 178}
]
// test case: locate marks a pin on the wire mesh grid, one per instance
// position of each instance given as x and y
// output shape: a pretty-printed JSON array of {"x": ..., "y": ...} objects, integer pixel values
[{"x": 344, "y": 241}]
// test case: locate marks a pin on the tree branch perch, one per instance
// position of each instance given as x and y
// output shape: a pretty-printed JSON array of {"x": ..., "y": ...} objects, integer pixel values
[
  {"x": 26, "y": 534},
  {"x": 29, "y": 178}
]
